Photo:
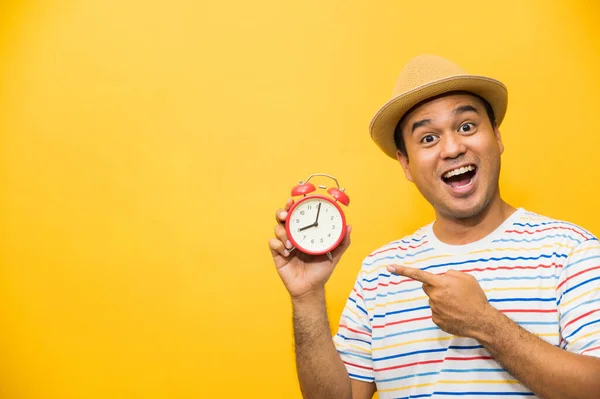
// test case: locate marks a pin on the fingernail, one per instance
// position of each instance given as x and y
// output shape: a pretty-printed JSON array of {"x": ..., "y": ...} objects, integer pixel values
[
  {"x": 286, "y": 252},
  {"x": 391, "y": 269},
  {"x": 288, "y": 244},
  {"x": 283, "y": 214}
]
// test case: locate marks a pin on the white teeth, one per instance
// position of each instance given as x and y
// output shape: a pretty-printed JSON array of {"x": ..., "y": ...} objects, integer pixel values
[{"x": 459, "y": 171}]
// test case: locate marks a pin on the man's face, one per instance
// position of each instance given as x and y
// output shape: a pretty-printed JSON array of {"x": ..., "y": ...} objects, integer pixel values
[{"x": 453, "y": 155}]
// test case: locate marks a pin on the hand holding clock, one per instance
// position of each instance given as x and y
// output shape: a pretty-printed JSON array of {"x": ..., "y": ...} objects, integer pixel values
[{"x": 302, "y": 273}]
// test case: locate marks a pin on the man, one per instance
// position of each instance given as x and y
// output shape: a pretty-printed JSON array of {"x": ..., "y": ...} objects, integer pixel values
[{"x": 487, "y": 301}]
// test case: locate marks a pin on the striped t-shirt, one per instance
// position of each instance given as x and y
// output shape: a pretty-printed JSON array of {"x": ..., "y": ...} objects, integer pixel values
[{"x": 542, "y": 273}]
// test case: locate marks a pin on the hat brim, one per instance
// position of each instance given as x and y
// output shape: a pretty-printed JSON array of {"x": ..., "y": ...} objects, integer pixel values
[{"x": 383, "y": 124}]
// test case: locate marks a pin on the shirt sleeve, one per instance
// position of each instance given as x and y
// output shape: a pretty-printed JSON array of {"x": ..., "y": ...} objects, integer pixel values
[
  {"x": 578, "y": 297},
  {"x": 353, "y": 339}
]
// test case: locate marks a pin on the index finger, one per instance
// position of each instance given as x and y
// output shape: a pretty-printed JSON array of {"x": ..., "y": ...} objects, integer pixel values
[
  {"x": 416, "y": 274},
  {"x": 281, "y": 214}
]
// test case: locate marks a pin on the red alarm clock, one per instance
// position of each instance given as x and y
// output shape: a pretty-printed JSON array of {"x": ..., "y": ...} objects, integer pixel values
[{"x": 316, "y": 223}]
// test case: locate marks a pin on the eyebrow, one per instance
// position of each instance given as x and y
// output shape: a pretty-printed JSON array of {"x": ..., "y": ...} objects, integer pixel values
[
  {"x": 464, "y": 108},
  {"x": 420, "y": 123}
]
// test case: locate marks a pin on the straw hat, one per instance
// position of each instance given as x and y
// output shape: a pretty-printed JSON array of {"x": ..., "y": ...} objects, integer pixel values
[{"x": 427, "y": 76}]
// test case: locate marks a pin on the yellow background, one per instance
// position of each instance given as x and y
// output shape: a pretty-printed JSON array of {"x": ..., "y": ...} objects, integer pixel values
[{"x": 145, "y": 145}]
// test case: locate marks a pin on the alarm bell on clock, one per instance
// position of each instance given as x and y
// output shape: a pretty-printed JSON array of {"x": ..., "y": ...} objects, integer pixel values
[{"x": 316, "y": 223}]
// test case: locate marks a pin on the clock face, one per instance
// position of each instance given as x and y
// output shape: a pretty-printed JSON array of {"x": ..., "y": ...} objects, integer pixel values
[{"x": 316, "y": 225}]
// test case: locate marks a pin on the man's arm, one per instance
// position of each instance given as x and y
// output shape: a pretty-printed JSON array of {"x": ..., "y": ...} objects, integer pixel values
[
  {"x": 548, "y": 371},
  {"x": 459, "y": 307},
  {"x": 321, "y": 372}
]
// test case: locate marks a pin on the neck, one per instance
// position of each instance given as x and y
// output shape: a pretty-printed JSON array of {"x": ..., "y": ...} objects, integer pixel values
[{"x": 455, "y": 231}]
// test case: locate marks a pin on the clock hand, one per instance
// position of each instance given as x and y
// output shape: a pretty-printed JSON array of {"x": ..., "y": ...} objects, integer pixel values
[
  {"x": 318, "y": 211},
  {"x": 306, "y": 227}
]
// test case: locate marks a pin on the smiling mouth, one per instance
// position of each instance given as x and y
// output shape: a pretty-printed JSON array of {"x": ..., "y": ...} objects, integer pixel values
[{"x": 460, "y": 177}]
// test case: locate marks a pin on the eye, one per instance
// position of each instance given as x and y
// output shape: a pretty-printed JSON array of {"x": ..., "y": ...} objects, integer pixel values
[
  {"x": 428, "y": 139},
  {"x": 466, "y": 127}
]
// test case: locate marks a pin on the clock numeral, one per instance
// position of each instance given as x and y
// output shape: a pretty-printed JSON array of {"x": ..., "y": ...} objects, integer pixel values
[
  {"x": 329, "y": 235},
  {"x": 321, "y": 240},
  {"x": 333, "y": 226},
  {"x": 332, "y": 217},
  {"x": 312, "y": 241},
  {"x": 297, "y": 220},
  {"x": 302, "y": 212},
  {"x": 309, "y": 207}
]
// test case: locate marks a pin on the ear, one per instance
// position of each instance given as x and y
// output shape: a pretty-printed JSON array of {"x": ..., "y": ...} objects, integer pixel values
[
  {"x": 498, "y": 139},
  {"x": 403, "y": 159}
]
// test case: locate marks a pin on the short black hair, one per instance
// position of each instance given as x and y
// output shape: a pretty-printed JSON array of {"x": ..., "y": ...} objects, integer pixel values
[{"x": 399, "y": 138}]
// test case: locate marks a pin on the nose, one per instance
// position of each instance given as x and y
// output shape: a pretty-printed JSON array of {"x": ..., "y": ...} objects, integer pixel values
[{"x": 451, "y": 146}]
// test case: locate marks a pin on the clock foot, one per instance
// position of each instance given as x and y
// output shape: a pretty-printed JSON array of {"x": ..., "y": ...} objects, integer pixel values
[{"x": 329, "y": 256}]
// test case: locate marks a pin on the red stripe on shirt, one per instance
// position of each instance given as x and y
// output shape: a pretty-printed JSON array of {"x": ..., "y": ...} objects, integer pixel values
[
  {"x": 528, "y": 310},
  {"x": 577, "y": 274},
  {"x": 581, "y": 317},
  {"x": 512, "y": 268},
  {"x": 355, "y": 331},
  {"x": 546, "y": 229},
  {"x": 471, "y": 358},
  {"x": 357, "y": 294},
  {"x": 403, "y": 321},
  {"x": 590, "y": 349},
  {"x": 359, "y": 366},
  {"x": 409, "y": 365}
]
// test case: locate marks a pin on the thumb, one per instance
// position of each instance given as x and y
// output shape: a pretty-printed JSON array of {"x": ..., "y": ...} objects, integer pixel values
[{"x": 346, "y": 241}]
